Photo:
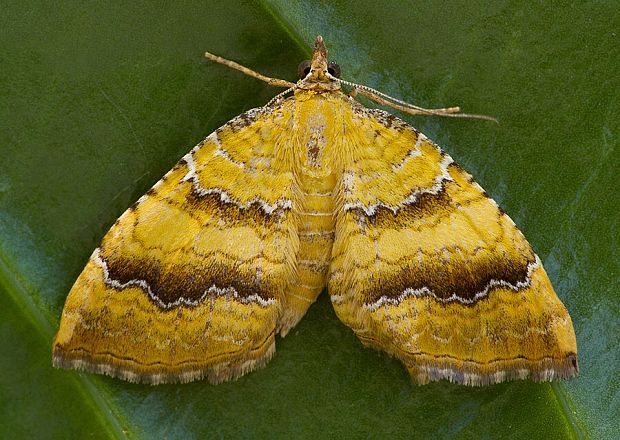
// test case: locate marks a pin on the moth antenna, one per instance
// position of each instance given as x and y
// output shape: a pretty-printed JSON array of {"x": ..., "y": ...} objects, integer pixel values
[
  {"x": 228, "y": 63},
  {"x": 384, "y": 99},
  {"x": 280, "y": 95}
]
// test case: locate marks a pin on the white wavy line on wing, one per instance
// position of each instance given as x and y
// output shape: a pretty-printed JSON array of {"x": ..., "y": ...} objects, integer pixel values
[
  {"x": 192, "y": 177},
  {"x": 436, "y": 188}
]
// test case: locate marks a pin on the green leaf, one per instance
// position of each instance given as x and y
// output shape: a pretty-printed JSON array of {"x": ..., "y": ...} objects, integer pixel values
[{"x": 100, "y": 101}]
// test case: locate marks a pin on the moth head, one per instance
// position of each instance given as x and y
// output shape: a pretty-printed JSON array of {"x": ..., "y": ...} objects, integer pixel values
[{"x": 318, "y": 73}]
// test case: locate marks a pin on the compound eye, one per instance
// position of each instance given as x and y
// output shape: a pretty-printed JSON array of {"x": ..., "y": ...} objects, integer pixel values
[
  {"x": 333, "y": 69},
  {"x": 304, "y": 69}
]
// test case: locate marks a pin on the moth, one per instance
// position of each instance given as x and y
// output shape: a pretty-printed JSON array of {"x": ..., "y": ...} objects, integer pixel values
[{"x": 232, "y": 246}]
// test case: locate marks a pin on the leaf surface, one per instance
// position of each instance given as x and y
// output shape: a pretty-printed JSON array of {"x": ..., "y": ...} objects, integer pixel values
[{"x": 99, "y": 102}]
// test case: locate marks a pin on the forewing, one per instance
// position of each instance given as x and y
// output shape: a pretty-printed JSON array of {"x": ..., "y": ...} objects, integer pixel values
[
  {"x": 428, "y": 268},
  {"x": 189, "y": 281}
]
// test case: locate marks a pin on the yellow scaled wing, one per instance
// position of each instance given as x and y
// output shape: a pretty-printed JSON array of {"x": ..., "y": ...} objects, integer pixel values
[
  {"x": 190, "y": 281},
  {"x": 426, "y": 267}
]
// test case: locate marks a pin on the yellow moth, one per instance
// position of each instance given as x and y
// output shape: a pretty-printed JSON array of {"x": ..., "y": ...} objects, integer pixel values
[{"x": 234, "y": 244}]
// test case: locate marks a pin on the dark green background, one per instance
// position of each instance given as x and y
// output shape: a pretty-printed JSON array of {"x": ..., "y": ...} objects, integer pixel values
[{"x": 99, "y": 101}]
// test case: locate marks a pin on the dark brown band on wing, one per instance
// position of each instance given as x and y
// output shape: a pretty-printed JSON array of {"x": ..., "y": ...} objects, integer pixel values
[
  {"x": 425, "y": 206},
  {"x": 228, "y": 213},
  {"x": 232, "y": 213},
  {"x": 180, "y": 285},
  {"x": 452, "y": 282}
]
